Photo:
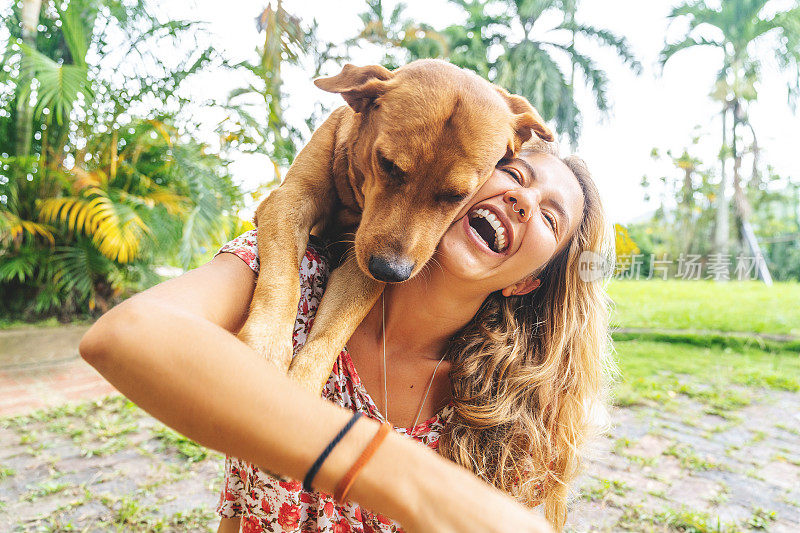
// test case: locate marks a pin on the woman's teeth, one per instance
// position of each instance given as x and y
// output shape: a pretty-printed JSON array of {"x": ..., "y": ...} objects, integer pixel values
[{"x": 499, "y": 243}]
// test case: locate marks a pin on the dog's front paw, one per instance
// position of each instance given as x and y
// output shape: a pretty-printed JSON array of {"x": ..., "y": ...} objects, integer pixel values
[{"x": 269, "y": 345}]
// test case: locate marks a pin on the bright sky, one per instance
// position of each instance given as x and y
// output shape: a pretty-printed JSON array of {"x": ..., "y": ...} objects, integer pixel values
[{"x": 649, "y": 111}]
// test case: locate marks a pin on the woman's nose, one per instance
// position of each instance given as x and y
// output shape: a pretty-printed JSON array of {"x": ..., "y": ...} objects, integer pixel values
[{"x": 522, "y": 202}]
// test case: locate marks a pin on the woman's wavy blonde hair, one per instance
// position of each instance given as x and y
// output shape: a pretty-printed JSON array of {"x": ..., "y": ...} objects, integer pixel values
[{"x": 528, "y": 372}]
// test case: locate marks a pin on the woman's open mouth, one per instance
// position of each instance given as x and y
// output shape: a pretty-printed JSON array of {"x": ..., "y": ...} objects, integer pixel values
[{"x": 489, "y": 228}]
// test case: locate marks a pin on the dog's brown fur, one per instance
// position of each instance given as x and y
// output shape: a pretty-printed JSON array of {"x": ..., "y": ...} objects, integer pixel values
[{"x": 394, "y": 167}]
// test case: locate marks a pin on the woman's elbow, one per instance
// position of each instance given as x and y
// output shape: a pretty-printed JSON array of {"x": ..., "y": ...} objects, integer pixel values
[{"x": 106, "y": 336}]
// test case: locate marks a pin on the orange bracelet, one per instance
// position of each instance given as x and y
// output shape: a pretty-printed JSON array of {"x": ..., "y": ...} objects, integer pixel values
[{"x": 347, "y": 481}]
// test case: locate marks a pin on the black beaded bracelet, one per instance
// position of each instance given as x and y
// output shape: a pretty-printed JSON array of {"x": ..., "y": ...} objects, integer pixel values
[{"x": 312, "y": 472}]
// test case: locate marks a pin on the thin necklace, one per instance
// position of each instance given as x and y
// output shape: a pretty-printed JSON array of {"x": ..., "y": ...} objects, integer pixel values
[{"x": 385, "y": 392}]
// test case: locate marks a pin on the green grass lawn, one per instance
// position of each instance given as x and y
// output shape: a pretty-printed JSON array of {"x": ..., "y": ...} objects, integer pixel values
[
  {"x": 721, "y": 379},
  {"x": 734, "y": 306}
]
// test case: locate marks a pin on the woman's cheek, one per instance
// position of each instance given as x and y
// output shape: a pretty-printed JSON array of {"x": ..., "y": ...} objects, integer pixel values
[{"x": 541, "y": 247}]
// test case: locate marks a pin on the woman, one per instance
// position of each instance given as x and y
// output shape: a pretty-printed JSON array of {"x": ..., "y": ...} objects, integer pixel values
[{"x": 498, "y": 346}]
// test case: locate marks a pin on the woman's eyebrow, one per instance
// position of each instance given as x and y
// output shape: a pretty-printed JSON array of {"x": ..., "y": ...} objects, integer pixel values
[{"x": 526, "y": 165}]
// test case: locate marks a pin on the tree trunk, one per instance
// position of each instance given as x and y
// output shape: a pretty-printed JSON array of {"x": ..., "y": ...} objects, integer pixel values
[
  {"x": 755, "y": 176},
  {"x": 749, "y": 237},
  {"x": 721, "y": 230},
  {"x": 686, "y": 208},
  {"x": 30, "y": 23},
  {"x": 743, "y": 210}
]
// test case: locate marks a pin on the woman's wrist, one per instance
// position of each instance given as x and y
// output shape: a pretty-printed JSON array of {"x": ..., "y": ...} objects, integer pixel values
[{"x": 395, "y": 478}]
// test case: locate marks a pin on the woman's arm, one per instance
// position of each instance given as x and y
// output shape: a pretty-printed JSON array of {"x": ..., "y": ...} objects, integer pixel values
[{"x": 170, "y": 349}]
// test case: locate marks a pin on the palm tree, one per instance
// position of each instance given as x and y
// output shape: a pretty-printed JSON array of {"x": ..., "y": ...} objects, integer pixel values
[
  {"x": 256, "y": 122},
  {"x": 470, "y": 43},
  {"x": 532, "y": 66},
  {"x": 736, "y": 28}
]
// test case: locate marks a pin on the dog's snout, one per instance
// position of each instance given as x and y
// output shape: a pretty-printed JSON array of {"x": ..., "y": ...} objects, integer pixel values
[{"x": 390, "y": 269}]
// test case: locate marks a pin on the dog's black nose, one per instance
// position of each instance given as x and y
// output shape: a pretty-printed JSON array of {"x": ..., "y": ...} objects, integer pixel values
[{"x": 390, "y": 270}]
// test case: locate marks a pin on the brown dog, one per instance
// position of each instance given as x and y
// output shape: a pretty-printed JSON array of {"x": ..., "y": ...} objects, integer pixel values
[{"x": 394, "y": 166}]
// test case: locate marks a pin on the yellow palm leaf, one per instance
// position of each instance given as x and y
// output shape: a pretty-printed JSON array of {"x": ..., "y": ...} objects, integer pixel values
[
  {"x": 175, "y": 204},
  {"x": 54, "y": 209},
  {"x": 12, "y": 227},
  {"x": 98, "y": 217},
  {"x": 34, "y": 228}
]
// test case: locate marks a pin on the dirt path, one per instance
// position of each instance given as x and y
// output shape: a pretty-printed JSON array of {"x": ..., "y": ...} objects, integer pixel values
[
  {"x": 40, "y": 367},
  {"x": 103, "y": 466},
  {"x": 99, "y": 466},
  {"x": 685, "y": 470}
]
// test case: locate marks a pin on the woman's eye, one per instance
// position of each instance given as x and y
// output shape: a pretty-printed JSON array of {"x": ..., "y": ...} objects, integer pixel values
[
  {"x": 513, "y": 173},
  {"x": 550, "y": 220}
]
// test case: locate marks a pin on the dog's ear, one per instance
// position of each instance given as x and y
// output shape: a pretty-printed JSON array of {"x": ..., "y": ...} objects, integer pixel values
[
  {"x": 527, "y": 119},
  {"x": 359, "y": 86}
]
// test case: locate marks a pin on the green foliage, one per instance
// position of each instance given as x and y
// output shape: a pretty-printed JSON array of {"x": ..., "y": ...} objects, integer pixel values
[
  {"x": 761, "y": 518},
  {"x": 6, "y": 472},
  {"x": 46, "y": 489},
  {"x": 110, "y": 189},
  {"x": 684, "y": 221},
  {"x": 740, "y": 23},
  {"x": 129, "y": 512},
  {"x": 688, "y": 459},
  {"x": 691, "y": 521},
  {"x": 255, "y": 122},
  {"x": 684, "y": 520},
  {"x": 717, "y": 340}
]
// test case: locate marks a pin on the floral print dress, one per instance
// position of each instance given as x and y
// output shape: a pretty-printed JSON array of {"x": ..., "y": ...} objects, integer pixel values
[{"x": 268, "y": 503}]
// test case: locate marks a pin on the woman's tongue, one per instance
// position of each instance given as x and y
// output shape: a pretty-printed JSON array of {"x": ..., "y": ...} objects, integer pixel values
[{"x": 485, "y": 230}]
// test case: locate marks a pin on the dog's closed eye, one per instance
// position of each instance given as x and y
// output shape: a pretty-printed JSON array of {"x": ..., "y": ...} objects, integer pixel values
[
  {"x": 392, "y": 171},
  {"x": 451, "y": 197}
]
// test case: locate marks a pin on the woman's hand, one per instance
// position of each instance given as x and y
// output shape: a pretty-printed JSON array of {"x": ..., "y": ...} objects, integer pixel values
[{"x": 451, "y": 499}]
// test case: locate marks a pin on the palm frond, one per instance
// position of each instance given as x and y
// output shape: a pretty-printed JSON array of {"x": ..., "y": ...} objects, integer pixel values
[
  {"x": 78, "y": 267},
  {"x": 74, "y": 20},
  {"x": 174, "y": 204},
  {"x": 59, "y": 85},
  {"x": 528, "y": 70},
  {"x": 670, "y": 50},
  {"x": 529, "y": 11},
  {"x": 787, "y": 24},
  {"x": 20, "y": 265},
  {"x": 596, "y": 79},
  {"x": 696, "y": 9},
  {"x": 608, "y": 38}
]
